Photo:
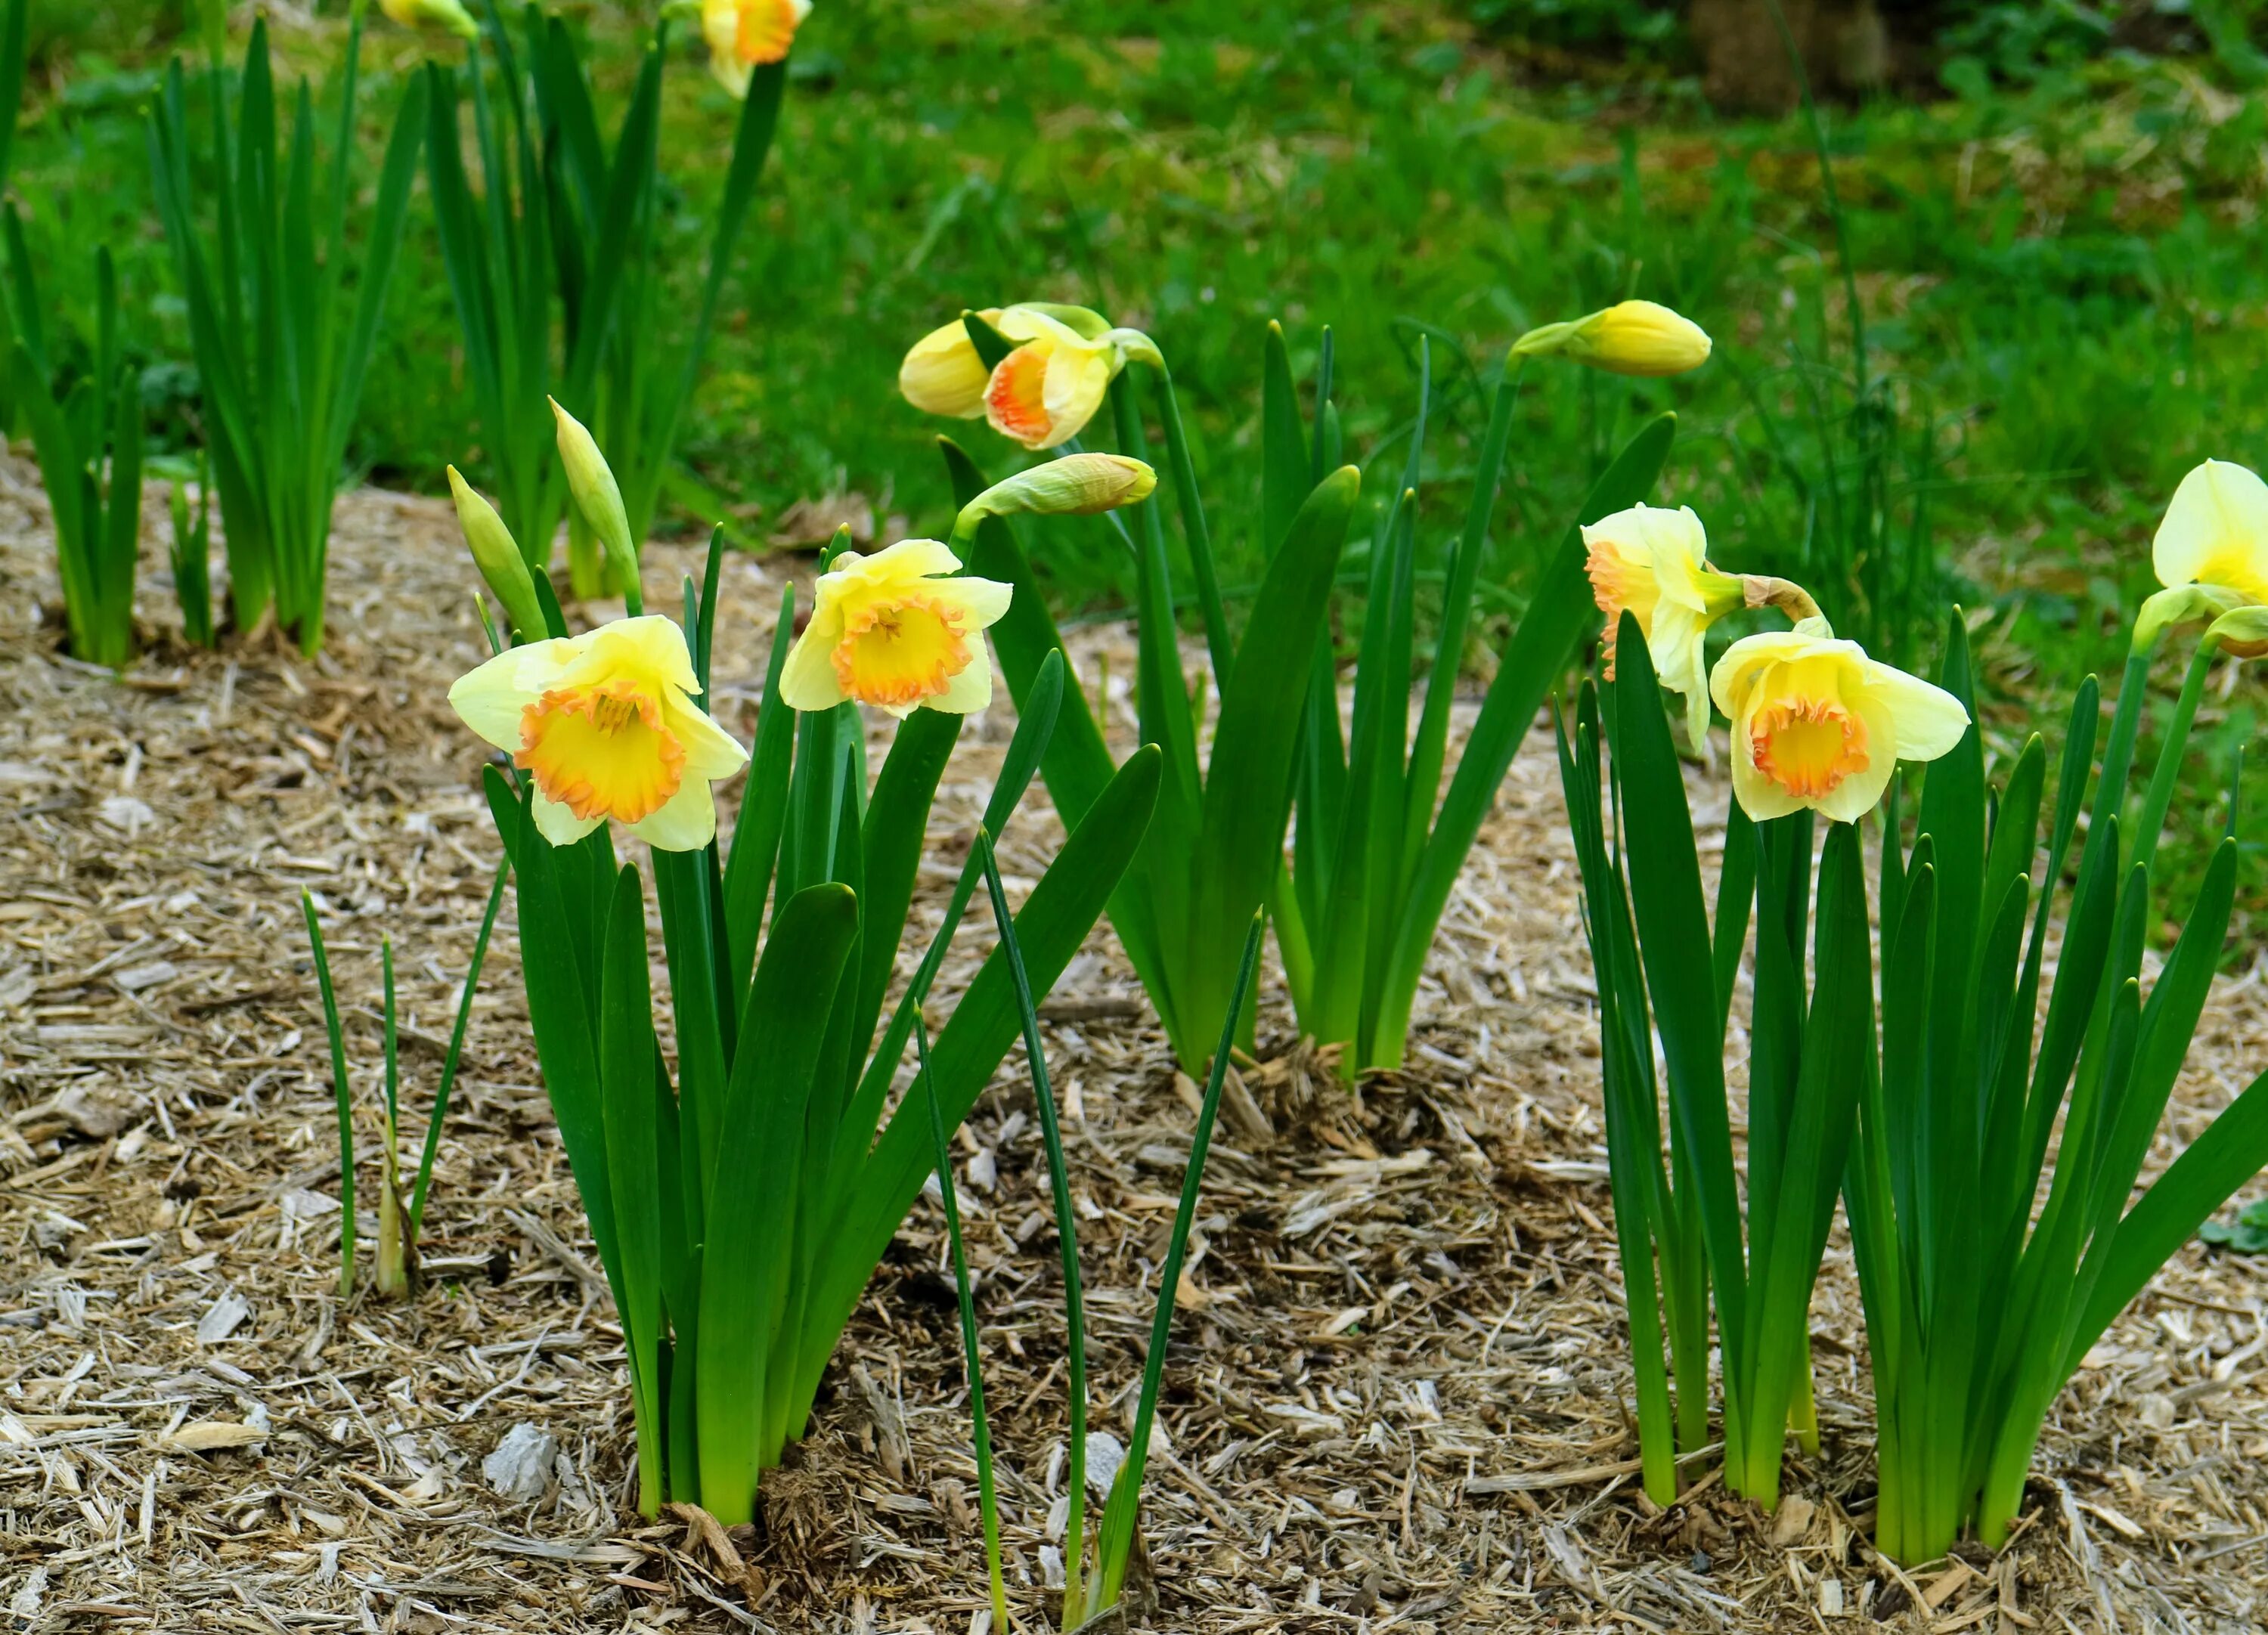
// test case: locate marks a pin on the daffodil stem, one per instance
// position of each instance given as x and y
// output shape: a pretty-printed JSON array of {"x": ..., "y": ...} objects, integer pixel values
[
  {"x": 1196, "y": 534},
  {"x": 987, "y": 1499},
  {"x": 456, "y": 1052},
  {"x": 339, "y": 1086},
  {"x": 1066, "y": 1234},
  {"x": 2161, "y": 795}
]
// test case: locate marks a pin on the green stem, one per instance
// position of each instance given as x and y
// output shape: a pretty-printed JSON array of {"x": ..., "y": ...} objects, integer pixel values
[
  {"x": 1066, "y": 1233},
  {"x": 988, "y": 1502},
  {"x": 1198, "y": 536},
  {"x": 456, "y": 1051},
  {"x": 345, "y": 1102},
  {"x": 2167, "y": 771}
]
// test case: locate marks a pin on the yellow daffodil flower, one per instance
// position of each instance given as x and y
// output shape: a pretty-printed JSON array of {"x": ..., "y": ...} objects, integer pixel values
[
  {"x": 444, "y": 14},
  {"x": 2211, "y": 549},
  {"x": 890, "y": 630},
  {"x": 1047, "y": 389},
  {"x": 743, "y": 34},
  {"x": 1628, "y": 338},
  {"x": 606, "y": 725},
  {"x": 1654, "y": 562},
  {"x": 1816, "y": 722}
]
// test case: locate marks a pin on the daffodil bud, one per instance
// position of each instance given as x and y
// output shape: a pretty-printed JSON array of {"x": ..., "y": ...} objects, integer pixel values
[
  {"x": 597, "y": 496},
  {"x": 498, "y": 559},
  {"x": 2243, "y": 632},
  {"x": 1076, "y": 485},
  {"x": 447, "y": 14},
  {"x": 1628, "y": 338},
  {"x": 2179, "y": 604}
]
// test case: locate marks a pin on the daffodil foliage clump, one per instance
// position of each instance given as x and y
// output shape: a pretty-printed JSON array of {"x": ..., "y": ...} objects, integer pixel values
[
  {"x": 739, "y": 1203},
  {"x": 1907, "y": 1068}
]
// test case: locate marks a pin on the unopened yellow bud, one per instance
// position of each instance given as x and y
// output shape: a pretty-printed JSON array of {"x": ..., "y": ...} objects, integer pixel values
[
  {"x": 498, "y": 559},
  {"x": 597, "y": 495},
  {"x": 1076, "y": 485},
  {"x": 2243, "y": 632},
  {"x": 448, "y": 15},
  {"x": 1628, "y": 338}
]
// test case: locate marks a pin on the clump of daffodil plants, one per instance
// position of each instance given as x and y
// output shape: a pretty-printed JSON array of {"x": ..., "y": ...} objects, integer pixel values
[
  {"x": 281, "y": 317},
  {"x": 1909, "y": 1068},
  {"x": 552, "y": 242},
  {"x": 740, "y": 1203},
  {"x": 1377, "y": 833}
]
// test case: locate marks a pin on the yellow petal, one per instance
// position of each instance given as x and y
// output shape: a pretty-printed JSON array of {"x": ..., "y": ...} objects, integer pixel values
[
  {"x": 942, "y": 373},
  {"x": 2215, "y": 531},
  {"x": 1927, "y": 720},
  {"x": 490, "y": 699},
  {"x": 558, "y": 825},
  {"x": 685, "y": 822},
  {"x": 971, "y": 689},
  {"x": 807, "y": 678},
  {"x": 710, "y": 751}
]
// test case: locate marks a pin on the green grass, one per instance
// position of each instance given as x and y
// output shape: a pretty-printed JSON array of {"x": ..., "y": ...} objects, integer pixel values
[{"x": 2064, "y": 281}]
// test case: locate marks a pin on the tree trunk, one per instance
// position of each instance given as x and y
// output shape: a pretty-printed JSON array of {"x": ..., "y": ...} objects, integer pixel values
[{"x": 1745, "y": 66}]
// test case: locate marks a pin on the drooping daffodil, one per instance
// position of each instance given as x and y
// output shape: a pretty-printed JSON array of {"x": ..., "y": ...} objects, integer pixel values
[
  {"x": 1059, "y": 367},
  {"x": 606, "y": 725},
  {"x": 1816, "y": 722},
  {"x": 448, "y": 15},
  {"x": 893, "y": 631},
  {"x": 745, "y": 34},
  {"x": 1654, "y": 564},
  {"x": 2210, "y": 552},
  {"x": 1628, "y": 338}
]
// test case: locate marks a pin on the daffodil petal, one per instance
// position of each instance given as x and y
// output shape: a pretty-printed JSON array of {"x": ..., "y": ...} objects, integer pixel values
[
  {"x": 558, "y": 824},
  {"x": 807, "y": 678},
  {"x": 969, "y": 690},
  {"x": 2216, "y": 530},
  {"x": 710, "y": 751},
  {"x": 491, "y": 698},
  {"x": 942, "y": 373},
  {"x": 686, "y": 821},
  {"x": 1927, "y": 720}
]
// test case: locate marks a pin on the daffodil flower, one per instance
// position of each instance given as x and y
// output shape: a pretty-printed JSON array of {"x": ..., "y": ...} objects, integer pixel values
[
  {"x": 2211, "y": 549},
  {"x": 890, "y": 630},
  {"x": 606, "y": 727},
  {"x": 1816, "y": 722},
  {"x": 1628, "y": 338},
  {"x": 743, "y": 34},
  {"x": 449, "y": 15},
  {"x": 1654, "y": 564},
  {"x": 1044, "y": 391}
]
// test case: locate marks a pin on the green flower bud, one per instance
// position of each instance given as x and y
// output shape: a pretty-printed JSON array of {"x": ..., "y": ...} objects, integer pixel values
[
  {"x": 597, "y": 496},
  {"x": 1076, "y": 485},
  {"x": 498, "y": 559}
]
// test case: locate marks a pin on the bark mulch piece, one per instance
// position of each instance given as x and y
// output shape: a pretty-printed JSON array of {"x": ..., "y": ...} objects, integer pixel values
[{"x": 1397, "y": 1394}]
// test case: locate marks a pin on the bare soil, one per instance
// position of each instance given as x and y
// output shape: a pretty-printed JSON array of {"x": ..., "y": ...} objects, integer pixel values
[{"x": 1397, "y": 1397}]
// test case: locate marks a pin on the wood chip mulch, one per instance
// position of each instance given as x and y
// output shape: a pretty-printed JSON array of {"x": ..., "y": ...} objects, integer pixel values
[{"x": 1397, "y": 1397}]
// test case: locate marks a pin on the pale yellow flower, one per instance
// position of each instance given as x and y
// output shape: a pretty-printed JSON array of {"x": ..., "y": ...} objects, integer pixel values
[
  {"x": 449, "y": 15},
  {"x": 1628, "y": 338},
  {"x": 1654, "y": 564},
  {"x": 2210, "y": 552},
  {"x": 1044, "y": 391},
  {"x": 890, "y": 630},
  {"x": 1816, "y": 722},
  {"x": 606, "y": 725},
  {"x": 743, "y": 34}
]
